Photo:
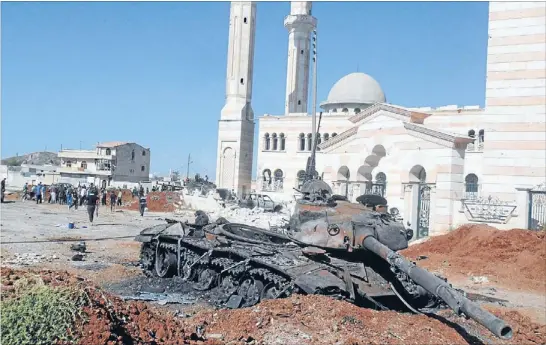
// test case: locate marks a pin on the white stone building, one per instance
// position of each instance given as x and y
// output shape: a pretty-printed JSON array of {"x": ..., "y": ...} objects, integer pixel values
[
  {"x": 441, "y": 167},
  {"x": 110, "y": 164}
]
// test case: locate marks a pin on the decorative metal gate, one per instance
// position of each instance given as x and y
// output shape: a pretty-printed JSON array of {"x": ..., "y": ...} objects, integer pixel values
[
  {"x": 423, "y": 210},
  {"x": 537, "y": 210}
]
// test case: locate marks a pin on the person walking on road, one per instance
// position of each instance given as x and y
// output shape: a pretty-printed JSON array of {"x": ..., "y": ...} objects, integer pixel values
[
  {"x": 92, "y": 199},
  {"x": 3, "y": 187},
  {"x": 142, "y": 203},
  {"x": 38, "y": 193},
  {"x": 112, "y": 200},
  {"x": 25, "y": 192}
]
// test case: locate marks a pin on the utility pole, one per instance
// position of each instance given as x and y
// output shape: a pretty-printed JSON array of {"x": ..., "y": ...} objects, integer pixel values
[
  {"x": 80, "y": 144},
  {"x": 189, "y": 162}
]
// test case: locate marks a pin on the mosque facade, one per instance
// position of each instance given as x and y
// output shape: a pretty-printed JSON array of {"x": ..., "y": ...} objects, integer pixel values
[{"x": 440, "y": 167}]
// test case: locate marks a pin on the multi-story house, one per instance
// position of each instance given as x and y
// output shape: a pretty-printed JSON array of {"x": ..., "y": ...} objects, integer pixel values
[{"x": 110, "y": 164}]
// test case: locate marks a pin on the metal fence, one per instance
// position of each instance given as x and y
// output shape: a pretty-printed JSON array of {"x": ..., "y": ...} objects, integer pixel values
[{"x": 537, "y": 210}]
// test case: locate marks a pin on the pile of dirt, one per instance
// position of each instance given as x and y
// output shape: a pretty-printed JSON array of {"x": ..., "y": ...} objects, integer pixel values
[
  {"x": 159, "y": 202},
  {"x": 295, "y": 320},
  {"x": 514, "y": 258},
  {"x": 108, "y": 320}
]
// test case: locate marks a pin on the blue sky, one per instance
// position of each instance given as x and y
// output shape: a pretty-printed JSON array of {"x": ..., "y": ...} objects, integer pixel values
[{"x": 154, "y": 73}]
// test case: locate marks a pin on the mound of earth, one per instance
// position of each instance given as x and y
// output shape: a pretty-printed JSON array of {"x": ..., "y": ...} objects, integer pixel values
[
  {"x": 514, "y": 258},
  {"x": 35, "y": 158},
  {"x": 295, "y": 320},
  {"x": 159, "y": 202}
]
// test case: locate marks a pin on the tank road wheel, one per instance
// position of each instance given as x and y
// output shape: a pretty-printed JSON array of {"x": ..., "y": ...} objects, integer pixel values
[
  {"x": 228, "y": 284},
  {"x": 165, "y": 262},
  {"x": 205, "y": 279},
  {"x": 250, "y": 290},
  {"x": 147, "y": 256},
  {"x": 270, "y": 291}
]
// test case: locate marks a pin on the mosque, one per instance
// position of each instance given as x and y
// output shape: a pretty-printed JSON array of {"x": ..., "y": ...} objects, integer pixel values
[{"x": 439, "y": 167}]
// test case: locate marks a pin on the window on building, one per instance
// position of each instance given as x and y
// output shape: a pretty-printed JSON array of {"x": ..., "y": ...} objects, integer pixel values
[
  {"x": 267, "y": 142},
  {"x": 108, "y": 152},
  {"x": 302, "y": 142},
  {"x": 326, "y": 136},
  {"x": 299, "y": 102},
  {"x": 283, "y": 142},
  {"x": 471, "y": 186},
  {"x": 334, "y": 134},
  {"x": 144, "y": 152},
  {"x": 83, "y": 165},
  {"x": 481, "y": 136},
  {"x": 472, "y": 133},
  {"x": 244, "y": 20},
  {"x": 345, "y": 110},
  {"x": 133, "y": 155},
  {"x": 301, "y": 52},
  {"x": 142, "y": 168},
  {"x": 68, "y": 164},
  {"x": 242, "y": 81},
  {"x": 275, "y": 141},
  {"x": 309, "y": 141},
  {"x": 357, "y": 110}
]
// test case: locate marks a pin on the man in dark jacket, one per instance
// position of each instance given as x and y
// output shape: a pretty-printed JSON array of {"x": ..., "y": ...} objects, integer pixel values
[
  {"x": 3, "y": 189},
  {"x": 142, "y": 203},
  {"x": 92, "y": 199}
]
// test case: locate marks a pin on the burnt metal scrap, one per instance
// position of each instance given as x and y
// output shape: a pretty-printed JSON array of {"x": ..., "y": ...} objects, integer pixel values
[{"x": 331, "y": 247}]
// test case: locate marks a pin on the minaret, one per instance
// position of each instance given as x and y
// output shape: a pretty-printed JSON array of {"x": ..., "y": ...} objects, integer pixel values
[
  {"x": 236, "y": 125},
  {"x": 300, "y": 25}
]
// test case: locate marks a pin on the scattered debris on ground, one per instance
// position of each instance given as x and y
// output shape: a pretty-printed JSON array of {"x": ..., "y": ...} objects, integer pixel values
[
  {"x": 26, "y": 259},
  {"x": 514, "y": 258}
]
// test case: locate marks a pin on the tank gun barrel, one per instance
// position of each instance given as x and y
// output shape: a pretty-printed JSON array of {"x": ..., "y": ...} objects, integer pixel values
[{"x": 439, "y": 288}]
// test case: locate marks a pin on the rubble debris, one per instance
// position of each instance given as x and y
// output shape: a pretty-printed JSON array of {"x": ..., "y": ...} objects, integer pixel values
[
  {"x": 514, "y": 258},
  {"x": 79, "y": 247},
  {"x": 26, "y": 259},
  {"x": 77, "y": 257}
]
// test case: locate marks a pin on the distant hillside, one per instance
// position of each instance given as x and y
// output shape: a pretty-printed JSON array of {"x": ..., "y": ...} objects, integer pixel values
[{"x": 36, "y": 158}]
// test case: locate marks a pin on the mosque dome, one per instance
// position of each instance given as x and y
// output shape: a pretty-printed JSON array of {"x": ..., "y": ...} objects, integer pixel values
[{"x": 352, "y": 90}]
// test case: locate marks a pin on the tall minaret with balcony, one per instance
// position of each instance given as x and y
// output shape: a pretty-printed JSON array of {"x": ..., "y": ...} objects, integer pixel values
[
  {"x": 236, "y": 125},
  {"x": 300, "y": 24}
]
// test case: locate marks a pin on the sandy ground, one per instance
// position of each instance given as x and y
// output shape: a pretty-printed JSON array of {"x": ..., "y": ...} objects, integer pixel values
[{"x": 29, "y": 229}]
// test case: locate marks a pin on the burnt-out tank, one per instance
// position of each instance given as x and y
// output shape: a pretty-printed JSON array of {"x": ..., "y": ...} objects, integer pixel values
[{"x": 331, "y": 247}]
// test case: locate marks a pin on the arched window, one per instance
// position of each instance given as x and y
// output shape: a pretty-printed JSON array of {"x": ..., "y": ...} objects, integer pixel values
[
  {"x": 334, "y": 134},
  {"x": 302, "y": 142},
  {"x": 471, "y": 186},
  {"x": 357, "y": 110},
  {"x": 283, "y": 142},
  {"x": 83, "y": 165},
  {"x": 278, "y": 184},
  {"x": 108, "y": 152},
  {"x": 481, "y": 138},
  {"x": 144, "y": 152},
  {"x": 326, "y": 136},
  {"x": 267, "y": 142},
  {"x": 345, "y": 110},
  {"x": 471, "y": 133},
  {"x": 275, "y": 141},
  {"x": 319, "y": 140},
  {"x": 334, "y": 110},
  {"x": 309, "y": 141},
  {"x": 300, "y": 178},
  {"x": 266, "y": 181},
  {"x": 133, "y": 155}
]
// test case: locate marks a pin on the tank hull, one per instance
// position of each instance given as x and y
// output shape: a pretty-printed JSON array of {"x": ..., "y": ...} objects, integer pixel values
[{"x": 247, "y": 264}]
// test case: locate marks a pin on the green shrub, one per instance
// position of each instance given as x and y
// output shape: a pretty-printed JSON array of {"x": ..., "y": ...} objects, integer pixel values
[{"x": 40, "y": 315}]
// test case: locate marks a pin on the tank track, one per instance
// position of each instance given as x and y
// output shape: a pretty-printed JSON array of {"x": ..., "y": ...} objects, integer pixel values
[{"x": 235, "y": 276}]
